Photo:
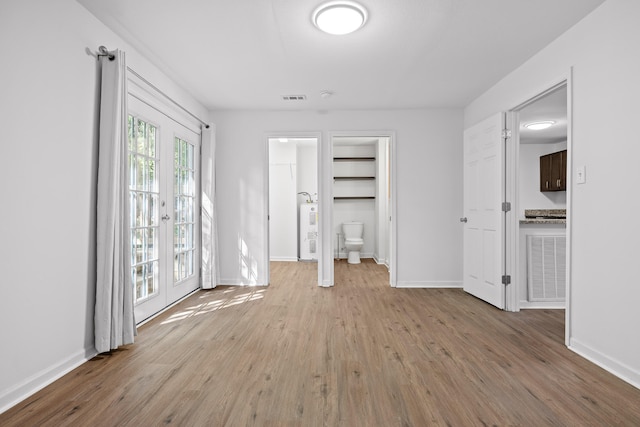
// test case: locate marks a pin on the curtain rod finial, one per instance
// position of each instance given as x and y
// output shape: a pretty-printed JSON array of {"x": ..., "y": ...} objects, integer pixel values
[{"x": 103, "y": 51}]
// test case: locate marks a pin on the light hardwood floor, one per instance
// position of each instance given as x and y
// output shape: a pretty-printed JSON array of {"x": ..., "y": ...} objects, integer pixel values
[{"x": 358, "y": 354}]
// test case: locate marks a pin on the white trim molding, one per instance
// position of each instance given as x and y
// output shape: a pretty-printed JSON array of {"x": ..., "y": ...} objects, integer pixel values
[
  {"x": 622, "y": 371},
  {"x": 238, "y": 282},
  {"x": 43, "y": 378},
  {"x": 284, "y": 259},
  {"x": 426, "y": 284}
]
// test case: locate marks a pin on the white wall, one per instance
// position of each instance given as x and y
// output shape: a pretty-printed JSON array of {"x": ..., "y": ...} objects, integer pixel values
[
  {"x": 602, "y": 49},
  {"x": 529, "y": 179},
  {"x": 307, "y": 158},
  {"x": 283, "y": 205},
  {"x": 429, "y": 152},
  {"x": 48, "y": 178}
]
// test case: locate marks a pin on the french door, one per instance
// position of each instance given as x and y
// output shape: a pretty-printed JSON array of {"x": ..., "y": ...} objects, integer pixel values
[{"x": 164, "y": 198}]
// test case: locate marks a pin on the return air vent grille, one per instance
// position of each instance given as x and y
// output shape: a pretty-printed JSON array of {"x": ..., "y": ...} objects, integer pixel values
[
  {"x": 294, "y": 97},
  {"x": 546, "y": 266}
]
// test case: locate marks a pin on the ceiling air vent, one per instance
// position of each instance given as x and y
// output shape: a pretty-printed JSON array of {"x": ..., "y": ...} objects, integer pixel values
[{"x": 294, "y": 97}]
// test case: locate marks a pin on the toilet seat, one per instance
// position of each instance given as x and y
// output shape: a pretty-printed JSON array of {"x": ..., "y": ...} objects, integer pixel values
[{"x": 354, "y": 241}]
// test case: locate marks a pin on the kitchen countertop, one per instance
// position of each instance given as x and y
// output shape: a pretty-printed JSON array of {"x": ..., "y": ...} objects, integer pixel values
[
  {"x": 544, "y": 216},
  {"x": 543, "y": 221}
]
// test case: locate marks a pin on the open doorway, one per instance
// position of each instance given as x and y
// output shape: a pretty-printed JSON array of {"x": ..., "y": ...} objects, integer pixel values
[
  {"x": 362, "y": 201},
  {"x": 293, "y": 200},
  {"x": 542, "y": 200},
  {"x": 541, "y": 195}
]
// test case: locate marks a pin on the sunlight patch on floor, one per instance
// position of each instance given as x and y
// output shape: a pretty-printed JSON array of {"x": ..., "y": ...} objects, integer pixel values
[{"x": 208, "y": 307}]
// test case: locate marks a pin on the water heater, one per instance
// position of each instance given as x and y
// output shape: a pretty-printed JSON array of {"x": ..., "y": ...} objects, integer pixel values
[{"x": 308, "y": 231}]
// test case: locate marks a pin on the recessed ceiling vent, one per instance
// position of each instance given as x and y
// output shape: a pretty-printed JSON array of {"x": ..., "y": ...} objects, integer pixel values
[{"x": 294, "y": 97}]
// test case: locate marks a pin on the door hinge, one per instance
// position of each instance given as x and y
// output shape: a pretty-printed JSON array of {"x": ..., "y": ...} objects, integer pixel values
[
  {"x": 506, "y": 280},
  {"x": 506, "y": 206},
  {"x": 506, "y": 133}
]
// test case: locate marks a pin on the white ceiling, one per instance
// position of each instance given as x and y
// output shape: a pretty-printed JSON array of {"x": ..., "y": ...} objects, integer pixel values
[
  {"x": 553, "y": 107},
  {"x": 246, "y": 54}
]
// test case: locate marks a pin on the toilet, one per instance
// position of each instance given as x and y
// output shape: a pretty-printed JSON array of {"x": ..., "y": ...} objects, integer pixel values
[{"x": 353, "y": 240}]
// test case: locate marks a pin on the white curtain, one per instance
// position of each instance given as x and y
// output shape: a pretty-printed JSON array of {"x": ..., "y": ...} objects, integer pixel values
[
  {"x": 208, "y": 186},
  {"x": 114, "y": 319}
]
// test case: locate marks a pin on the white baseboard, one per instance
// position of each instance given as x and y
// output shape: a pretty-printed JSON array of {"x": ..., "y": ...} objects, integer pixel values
[
  {"x": 428, "y": 284},
  {"x": 40, "y": 380},
  {"x": 555, "y": 305},
  {"x": 381, "y": 261},
  {"x": 620, "y": 370},
  {"x": 285, "y": 259},
  {"x": 236, "y": 282},
  {"x": 345, "y": 255}
]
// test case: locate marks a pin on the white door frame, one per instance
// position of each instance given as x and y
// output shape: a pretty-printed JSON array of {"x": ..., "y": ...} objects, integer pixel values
[
  {"x": 513, "y": 225},
  {"x": 327, "y": 232},
  {"x": 292, "y": 135}
]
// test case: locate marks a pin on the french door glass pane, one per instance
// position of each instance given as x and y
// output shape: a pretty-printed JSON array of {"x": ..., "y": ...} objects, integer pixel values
[
  {"x": 143, "y": 191},
  {"x": 183, "y": 202}
]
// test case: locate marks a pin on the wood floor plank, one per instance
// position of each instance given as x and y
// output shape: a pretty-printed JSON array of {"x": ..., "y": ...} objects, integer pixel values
[{"x": 358, "y": 354}]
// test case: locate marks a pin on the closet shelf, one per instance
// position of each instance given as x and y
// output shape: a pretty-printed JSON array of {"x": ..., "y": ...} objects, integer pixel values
[
  {"x": 354, "y": 159},
  {"x": 353, "y": 197},
  {"x": 349, "y": 178}
]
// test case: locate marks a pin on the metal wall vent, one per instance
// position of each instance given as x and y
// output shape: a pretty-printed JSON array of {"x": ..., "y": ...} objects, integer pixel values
[
  {"x": 294, "y": 97},
  {"x": 546, "y": 268}
]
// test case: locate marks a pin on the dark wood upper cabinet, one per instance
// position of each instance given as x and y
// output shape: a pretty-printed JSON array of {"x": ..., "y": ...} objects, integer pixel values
[{"x": 553, "y": 171}]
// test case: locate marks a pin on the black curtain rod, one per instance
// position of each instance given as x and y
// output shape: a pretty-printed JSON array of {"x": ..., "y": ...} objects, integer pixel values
[{"x": 103, "y": 51}]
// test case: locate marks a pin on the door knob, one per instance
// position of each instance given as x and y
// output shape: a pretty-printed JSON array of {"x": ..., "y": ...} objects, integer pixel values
[
  {"x": 165, "y": 217},
  {"x": 464, "y": 219}
]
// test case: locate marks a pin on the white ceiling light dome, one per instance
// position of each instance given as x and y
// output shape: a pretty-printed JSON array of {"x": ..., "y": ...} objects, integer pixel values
[
  {"x": 540, "y": 125},
  {"x": 339, "y": 17}
]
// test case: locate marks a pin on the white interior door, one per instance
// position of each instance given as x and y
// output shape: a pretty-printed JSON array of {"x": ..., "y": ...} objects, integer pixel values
[
  {"x": 484, "y": 172},
  {"x": 163, "y": 188}
]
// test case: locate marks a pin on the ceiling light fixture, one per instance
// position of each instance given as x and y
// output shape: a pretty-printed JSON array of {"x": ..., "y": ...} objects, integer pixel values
[
  {"x": 539, "y": 125},
  {"x": 339, "y": 17}
]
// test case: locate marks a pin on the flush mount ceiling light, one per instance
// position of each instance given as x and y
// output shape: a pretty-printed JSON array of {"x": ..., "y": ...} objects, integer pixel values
[
  {"x": 339, "y": 17},
  {"x": 539, "y": 125}
]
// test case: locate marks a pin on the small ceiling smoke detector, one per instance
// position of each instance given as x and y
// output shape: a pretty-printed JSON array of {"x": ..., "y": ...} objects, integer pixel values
[
  {"x": 339, "y": 17},
  {"x": 539, "y": 125},
  {"x": 326, "y": 94}
]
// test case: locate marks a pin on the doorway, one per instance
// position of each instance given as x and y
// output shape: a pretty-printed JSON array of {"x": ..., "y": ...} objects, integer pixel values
[
  {"x": 164, "y": 199},
  {"x": 362, "y": 196},
  {"x": 541, "y": 200},
  {"x": 503, "y": 194},
  {"x": 293, "y": 210},
  {"x": 495, "y": 205}
]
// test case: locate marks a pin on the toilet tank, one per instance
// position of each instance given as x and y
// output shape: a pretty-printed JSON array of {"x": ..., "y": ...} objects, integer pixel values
[{"x": 352, "y": 229}]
